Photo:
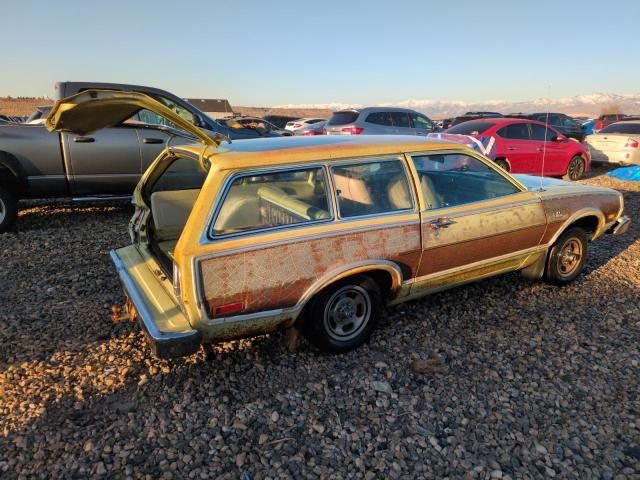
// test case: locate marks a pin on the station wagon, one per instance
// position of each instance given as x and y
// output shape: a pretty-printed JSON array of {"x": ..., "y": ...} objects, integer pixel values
[{"x": 238, "y": 239}]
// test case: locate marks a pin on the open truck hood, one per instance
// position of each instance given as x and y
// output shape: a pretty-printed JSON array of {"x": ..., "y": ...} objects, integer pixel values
[{"x": 94, "y": 109}]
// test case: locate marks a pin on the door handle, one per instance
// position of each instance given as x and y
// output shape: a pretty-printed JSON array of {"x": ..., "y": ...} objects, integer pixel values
[
  {"x": 84, "y": 139},
  {"x": 153, "y": 140},
  {"x": 511, "y": 149},
  {"x": 540, "y": 149},
  {"x": 442, "y": 222}
]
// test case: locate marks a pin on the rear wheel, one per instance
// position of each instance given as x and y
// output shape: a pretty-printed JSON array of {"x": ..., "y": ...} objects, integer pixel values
[
  {"x": 567, "y": 257},
  {"x": 575, "y": 170},
  {"x": 8, "y": 209},
  {"x": 503, "y": 164},
  {"x": 343, "y": 316}
]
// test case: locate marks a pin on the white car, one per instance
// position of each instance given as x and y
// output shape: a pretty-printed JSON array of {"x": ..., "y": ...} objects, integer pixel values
[{"x": 303, "y": 125}]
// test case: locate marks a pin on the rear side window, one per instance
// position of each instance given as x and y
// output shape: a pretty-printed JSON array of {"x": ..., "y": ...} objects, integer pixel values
[
  {"x": 342, "y": 118},
  {"x": 274, "y": 199},
  {"x": 372, "y": 188},
  {"x": 622, "y": 127},
  {"x": 400, "y": 119},
  {"x": 470, "y": 128},
  {"x": 379, "y": 118},
  {"x": 515, "y": 131}
]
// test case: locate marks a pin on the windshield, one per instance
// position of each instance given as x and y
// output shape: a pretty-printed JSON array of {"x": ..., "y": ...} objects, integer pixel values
[
  {"x": 622, "y": 127},
  {"x": 470, "y": 128}
]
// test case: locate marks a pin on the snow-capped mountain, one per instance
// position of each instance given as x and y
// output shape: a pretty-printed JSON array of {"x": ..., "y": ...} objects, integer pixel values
[{"x": 587, "y": 105}]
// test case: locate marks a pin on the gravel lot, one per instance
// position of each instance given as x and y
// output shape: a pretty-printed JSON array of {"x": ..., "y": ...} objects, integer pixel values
[{"x": 528, "y": 380}]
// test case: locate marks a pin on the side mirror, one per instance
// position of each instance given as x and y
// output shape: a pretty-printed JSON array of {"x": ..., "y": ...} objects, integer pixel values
[{"x": 559, "y": 138}]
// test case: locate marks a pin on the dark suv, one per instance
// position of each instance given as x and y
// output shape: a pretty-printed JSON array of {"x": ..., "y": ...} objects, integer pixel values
[{"x": 564, "y": 124}]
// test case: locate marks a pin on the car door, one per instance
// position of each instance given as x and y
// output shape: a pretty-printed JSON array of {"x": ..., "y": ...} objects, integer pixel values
[
  {"x": 379, "y": 123},
  {"x": 401, "y": 123},
  {"x": 105, "y": 162},
  {"x": 475, "y": 221},
  {"x": 517, "y": 147},
  {"x": 551, "y": 158}
]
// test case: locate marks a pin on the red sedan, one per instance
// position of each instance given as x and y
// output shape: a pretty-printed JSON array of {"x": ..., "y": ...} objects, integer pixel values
[{"x": 527, "y": 146}]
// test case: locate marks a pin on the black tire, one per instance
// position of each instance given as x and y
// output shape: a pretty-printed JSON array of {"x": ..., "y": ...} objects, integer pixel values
[
  {"x": 343, "y": 315},
  {"x": 503, "y": 164},
  {"x": 575, "y": 169},
  {"x": 8, "y": 209},
  {"x": 567, "y": 257}
]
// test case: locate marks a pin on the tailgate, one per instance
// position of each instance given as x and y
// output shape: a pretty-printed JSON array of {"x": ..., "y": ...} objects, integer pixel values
[{"x": 157, "y": 311}]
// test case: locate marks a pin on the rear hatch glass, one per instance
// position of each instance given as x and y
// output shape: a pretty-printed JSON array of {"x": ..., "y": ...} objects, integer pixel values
[
  {"x": 343, "y": 118},
  {"x": 470, "y": 128}
]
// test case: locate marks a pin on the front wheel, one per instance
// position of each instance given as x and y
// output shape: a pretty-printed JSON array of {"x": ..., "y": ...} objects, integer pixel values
[
  {"x": 343, "y": 316},
  {"x": 575, "y": 170},
  {"x": 567, "y": 257},
  {"x": 8, "y": 209}
]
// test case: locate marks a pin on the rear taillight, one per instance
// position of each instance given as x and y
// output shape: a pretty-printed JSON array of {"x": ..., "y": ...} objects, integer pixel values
[
  {"x": 177, "y": 283},
  {"x": 598, "y": 125},
  {"x": 310, "y": 133},
  {"x": 352, "y": 130},
  {"x": 324, "y": 131},
  {"x": 631, "y": 143}
]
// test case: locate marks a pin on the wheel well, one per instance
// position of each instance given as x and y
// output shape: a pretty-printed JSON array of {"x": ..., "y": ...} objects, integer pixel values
[
  {"x": 382, "y": 278},
  {"x": 506, "y": 160},
  {"x": 589, "y": 224},
  {"x": 8, "y": 176}
]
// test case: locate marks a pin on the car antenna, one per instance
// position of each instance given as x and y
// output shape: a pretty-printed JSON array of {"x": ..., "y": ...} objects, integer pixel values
[{"x": 544, "y": 143}]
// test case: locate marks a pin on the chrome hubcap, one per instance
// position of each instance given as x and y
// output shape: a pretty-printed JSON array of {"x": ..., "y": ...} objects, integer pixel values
[
  {"x": 575, "y": 169},
  {"x": 569, "y": 257},
  {"x": 347, "y": 312}
]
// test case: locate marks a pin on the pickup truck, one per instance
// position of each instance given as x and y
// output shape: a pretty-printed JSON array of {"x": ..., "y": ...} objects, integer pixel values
[{"x": 36, "y": 163}]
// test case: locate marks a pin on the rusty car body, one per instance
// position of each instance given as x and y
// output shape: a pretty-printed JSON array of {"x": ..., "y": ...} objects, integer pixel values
[{"x": 238, "y": 239}]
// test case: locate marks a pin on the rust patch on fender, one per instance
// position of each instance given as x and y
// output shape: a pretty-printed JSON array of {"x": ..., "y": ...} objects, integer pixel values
[{"x": 277, "y": 276}]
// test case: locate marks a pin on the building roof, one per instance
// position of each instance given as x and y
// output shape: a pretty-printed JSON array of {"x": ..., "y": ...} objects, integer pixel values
[{"x": 211, "y": 104}]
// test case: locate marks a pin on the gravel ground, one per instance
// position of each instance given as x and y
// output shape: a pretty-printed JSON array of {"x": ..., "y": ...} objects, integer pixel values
[{"x": 523, "y": 380}]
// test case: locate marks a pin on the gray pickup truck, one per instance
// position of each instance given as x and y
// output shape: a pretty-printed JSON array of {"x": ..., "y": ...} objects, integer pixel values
[{"x": 36, "y": 163}]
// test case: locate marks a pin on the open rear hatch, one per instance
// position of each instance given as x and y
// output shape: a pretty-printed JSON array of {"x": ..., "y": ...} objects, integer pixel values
[
  {"x": 144, "y": 272},
  {"x": 95, "y": 109}
]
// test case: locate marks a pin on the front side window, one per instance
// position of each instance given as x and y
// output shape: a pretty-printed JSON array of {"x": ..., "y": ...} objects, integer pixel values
[
  {"x": 372, "y": 188},
  {"x": 515, "y": 131},
  {"x": 420, "y": 121},
  {"x": 448, "y": 180},
  {"x": 542, "y": 133},
  {"x": 273, "y": 199}
]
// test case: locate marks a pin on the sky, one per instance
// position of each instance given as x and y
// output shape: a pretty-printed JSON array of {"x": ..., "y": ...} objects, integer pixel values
[{"x": 267, "y": 53}]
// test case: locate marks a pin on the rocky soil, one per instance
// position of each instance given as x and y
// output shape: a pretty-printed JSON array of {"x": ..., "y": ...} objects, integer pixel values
[{"x": 515, "y": 379}]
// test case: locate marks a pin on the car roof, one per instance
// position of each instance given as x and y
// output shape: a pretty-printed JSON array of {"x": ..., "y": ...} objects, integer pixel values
[
  {"x": 261, "y": 152},
  {"x": 501, "y": 120},
  {"x": 376, "y": 109}
]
